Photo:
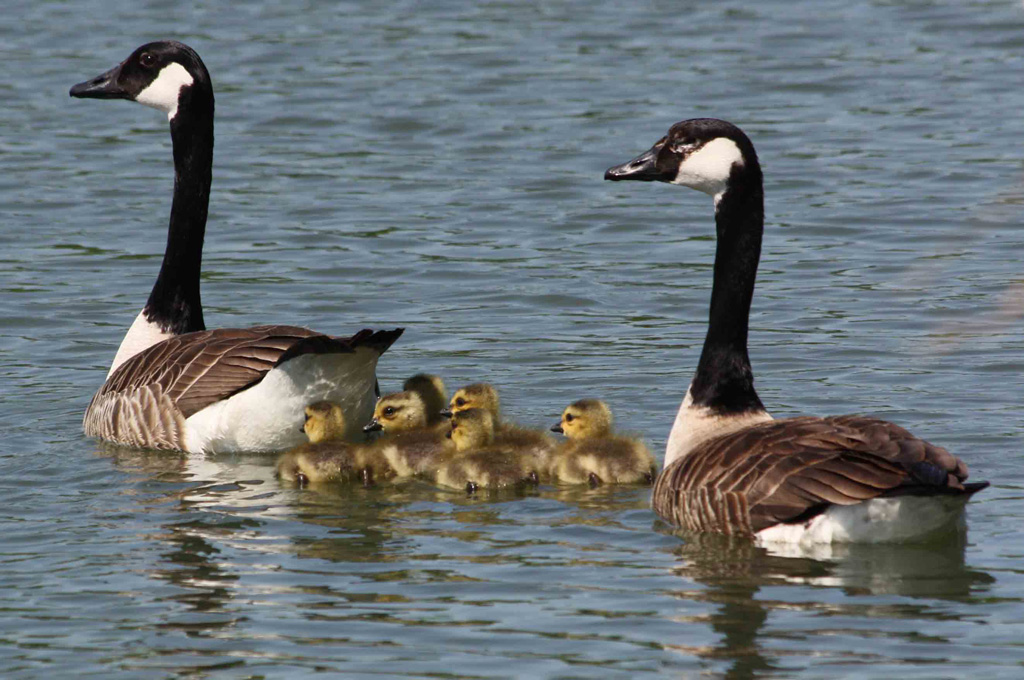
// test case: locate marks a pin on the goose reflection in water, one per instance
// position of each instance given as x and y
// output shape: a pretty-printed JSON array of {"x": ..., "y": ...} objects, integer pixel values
[{"x": 734, "y": 570}]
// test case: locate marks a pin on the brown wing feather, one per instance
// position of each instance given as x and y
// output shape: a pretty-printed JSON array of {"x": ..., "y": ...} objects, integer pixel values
[
  {"x": 785, "y": 470},
  {"x": 193, "y": 370}
]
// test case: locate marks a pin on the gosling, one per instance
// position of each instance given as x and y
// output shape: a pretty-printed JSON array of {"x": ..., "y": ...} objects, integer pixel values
[
  {"x": 484, "y": 396},
  {"x": 327, "y": 457},
  {"x": 480, "y": 461},
  {"x": 435, "y": 398},
  {"x": 593, "y": 454},
  {"x": 410, "y": 445}
]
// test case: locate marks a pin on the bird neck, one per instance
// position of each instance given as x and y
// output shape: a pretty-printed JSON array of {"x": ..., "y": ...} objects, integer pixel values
[
  {"x": 724, "y": 381},
  {"x": 174, "y": 303}
]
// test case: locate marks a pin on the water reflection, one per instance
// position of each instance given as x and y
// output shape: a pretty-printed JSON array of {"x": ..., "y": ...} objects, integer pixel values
[
  {"x": 194, "y": 498},
  {"x": 734, "y": 572}
]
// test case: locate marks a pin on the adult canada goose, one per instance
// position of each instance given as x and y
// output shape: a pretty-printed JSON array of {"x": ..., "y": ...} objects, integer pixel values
[
  {"x": 481, "y": 462},
  {"x": 409, "y": 443},
  {"x": 175, "y": 385},
  {"x": 729, "y": 467},
  {"x": 484, "y": 396},
  {"x": 327, "y": 457},
  {"x": 593, "y": 454}
]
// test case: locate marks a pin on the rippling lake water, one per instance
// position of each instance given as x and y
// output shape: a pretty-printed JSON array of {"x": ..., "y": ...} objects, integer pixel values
[{"x": 438, "y": 166}]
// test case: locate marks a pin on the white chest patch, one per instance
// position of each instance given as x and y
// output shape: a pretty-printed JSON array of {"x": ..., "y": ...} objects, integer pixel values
[
  {"x": 695, "y": 425},
  {"x": 269, "y": 415},
  {"x": 165, "y": 89},
  {"x": 141, "y": 335},
  {"x": 708, "y": 168}
]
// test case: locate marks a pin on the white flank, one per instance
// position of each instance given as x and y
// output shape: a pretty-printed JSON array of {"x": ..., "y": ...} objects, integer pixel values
[
  {"x": 905, "y": 519},
  {"x": 697, "y": 424},
  {"x": 163, "y": 92},
  {"x": 269, "y": 415},
  {"x": 142, "y": 335},
  {"x": 708, "y": 168}
]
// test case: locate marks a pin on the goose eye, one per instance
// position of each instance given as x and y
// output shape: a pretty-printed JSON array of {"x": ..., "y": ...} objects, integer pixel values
[
  {"x": 147, "y": 59},
  {"x": 460, "y": 402},
  {"x": 684, "y": 145},
  {"x": 389, "y": 410}
]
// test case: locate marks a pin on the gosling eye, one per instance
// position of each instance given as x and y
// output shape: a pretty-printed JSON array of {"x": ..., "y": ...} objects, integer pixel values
[
  {"x": 568, "y": 417},
  {"x": 389, "y": 410},
  {"x": 308, "y": 417},
  {"x": 460, "y": 402}
]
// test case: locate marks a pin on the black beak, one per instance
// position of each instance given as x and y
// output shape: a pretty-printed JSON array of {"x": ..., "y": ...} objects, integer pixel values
[
  {"x": 103, "y": 86},
  {"x": 557, "y": 427},
  {"x": 446, "y": 412},
  {"x": 373, "y": 426},
  {"x": 643, "y": 168}
]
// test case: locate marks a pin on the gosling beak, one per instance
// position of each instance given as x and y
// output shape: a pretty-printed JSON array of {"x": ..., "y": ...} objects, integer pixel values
[
  {"x": 373, "y": 426},
  {"x": 446, "y": 412},
  {"x": 103, "y": 86},
  {"x": 557, "y": 427},
  {"x": 643, "y": 168}
]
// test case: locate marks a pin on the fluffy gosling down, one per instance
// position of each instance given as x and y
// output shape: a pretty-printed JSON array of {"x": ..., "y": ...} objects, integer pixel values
[
  {"x": 481, "y": 462},
  {"x": 409, "y": 443},
  {"x": 484, "y": 396},
  {"x": 434, "y": 395},
  {"x": 327, "y": 458},
  {"x": 593, "y": 454}
]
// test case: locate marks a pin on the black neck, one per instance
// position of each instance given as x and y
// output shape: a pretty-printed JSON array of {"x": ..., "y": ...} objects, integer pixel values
[
  {"x": 724, "y": 381},
  {"x": 174, "y": 304}
]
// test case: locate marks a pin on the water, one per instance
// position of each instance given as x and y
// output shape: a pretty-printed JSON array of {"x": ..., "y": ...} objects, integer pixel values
[{"x": 439, "y": 168}]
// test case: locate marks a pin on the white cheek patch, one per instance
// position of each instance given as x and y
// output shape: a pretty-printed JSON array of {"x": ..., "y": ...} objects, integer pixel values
[
  {"x": 163, "y": 92},
  {"x": 708, "y": 169}
]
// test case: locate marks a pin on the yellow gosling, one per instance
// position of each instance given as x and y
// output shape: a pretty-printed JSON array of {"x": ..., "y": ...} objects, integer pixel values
[
  {"x": 434, "y": 395},
  {"x": 410, "y": 445},
  {"x": 593, "y": 454},
  {"x": 327, "y": 457},
  {"x": 477, "y": 395},
  {"x": 484, "y": 396},
  {"x": 481, "y": 462}
]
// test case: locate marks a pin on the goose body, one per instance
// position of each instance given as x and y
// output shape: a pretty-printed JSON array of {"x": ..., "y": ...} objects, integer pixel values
[
  {"x": 593, "y": 454},
  {"x": 175, "y": 385},
  {"x": 729, "y": 467}
]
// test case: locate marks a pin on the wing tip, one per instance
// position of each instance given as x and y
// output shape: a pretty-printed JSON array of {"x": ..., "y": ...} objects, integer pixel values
[
  {"x": 377, "y": 340},
  {"x": 974, "y": 487}
]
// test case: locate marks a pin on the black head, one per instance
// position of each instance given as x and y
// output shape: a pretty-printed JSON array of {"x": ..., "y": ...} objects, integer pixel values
[
  {"x": 700, "y": 153},
  {"x": 158, "y": 74}
]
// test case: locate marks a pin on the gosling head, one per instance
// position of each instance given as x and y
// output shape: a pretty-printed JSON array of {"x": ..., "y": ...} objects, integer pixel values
[
  {"x": 398, "y": 412},
  {"x": 431, "y": 390},
  {"x": 706, "y": 154},
  {"x": 472, "y": 429},
  {"x": 324, "y": 421},
  {"x": 584, "y": 419},
  {"x": 166, "y": 75},
  {"x": 477, "y": 395}
]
